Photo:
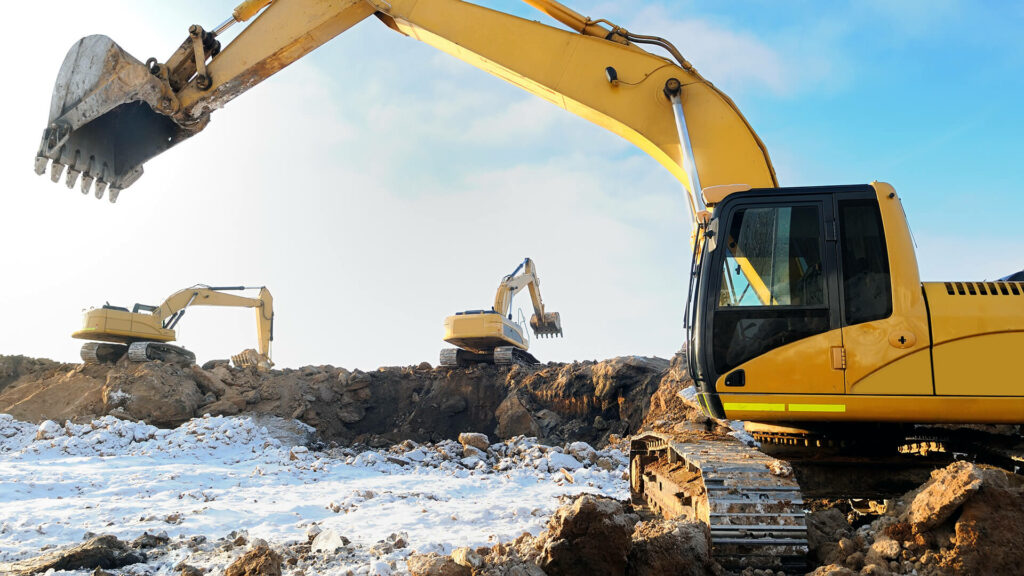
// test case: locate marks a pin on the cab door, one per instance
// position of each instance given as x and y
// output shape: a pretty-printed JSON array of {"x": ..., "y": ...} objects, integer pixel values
[{"x": 775, "y": 323}]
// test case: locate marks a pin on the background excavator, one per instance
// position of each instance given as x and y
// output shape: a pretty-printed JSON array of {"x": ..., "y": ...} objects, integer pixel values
[
  {"x": 144, "y": 332},
  {"x": 491, "y": 336},
  {"x": 806, "y": 315}
]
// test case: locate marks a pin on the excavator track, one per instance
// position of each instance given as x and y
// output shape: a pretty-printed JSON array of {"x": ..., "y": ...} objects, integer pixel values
[
  {"x": 507, "y": 355},
  {"x": 751, "y": 501},
  {"x": 102, "y": 352},
  {"x": 501, "y": 356},
  {"x": 146, "y": 351}
]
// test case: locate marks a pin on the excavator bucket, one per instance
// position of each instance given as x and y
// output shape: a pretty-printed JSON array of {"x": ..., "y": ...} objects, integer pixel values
[
  {"x": 251, "y": 358},
  {"x": 547, "y": 327},
  {"x": 109, "y": 113}
]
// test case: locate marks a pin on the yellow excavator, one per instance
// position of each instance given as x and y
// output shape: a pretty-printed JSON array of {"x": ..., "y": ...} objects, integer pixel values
[
  {"x": 144, "y": 331},
  {"x": 491, "y": 336},
  {"x": 806, "y": 316}
]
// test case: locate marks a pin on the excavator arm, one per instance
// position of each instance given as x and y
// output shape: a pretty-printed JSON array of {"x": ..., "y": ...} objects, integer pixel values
[
  {"x": 525, "y": 276},
  {"x": 110, "y": 113},
  {"x": 173, "y": 308}
]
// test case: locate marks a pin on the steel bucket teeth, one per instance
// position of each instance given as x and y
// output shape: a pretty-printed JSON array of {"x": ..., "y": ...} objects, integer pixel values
[{"x": 106, "y": 118}]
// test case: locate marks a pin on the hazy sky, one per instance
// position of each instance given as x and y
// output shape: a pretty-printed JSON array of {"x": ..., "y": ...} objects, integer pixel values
[{"x": 379, "y": 185}]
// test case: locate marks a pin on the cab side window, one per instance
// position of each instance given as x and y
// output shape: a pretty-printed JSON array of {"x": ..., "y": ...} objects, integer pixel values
[{"x": 867, "y": 291}]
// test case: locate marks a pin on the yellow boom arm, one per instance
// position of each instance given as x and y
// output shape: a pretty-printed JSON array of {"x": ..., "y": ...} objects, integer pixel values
[
  {"x": 173, "y": 308},
  {"x": 595, "y": 72},
  {"x": 525, "y": 276}
]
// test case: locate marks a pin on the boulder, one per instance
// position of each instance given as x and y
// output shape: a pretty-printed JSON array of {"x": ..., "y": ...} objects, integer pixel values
[
  {"x": 592, "y": 535},
  {"x": 475, "y": 439},
  {"x": 947, "y": 490},
  {"x": 260, "y": 561},
  {"x": 671, "y": 547},
  {"x": 99, "y": 552},
  {"x": 435, "y": 565},
  {"x": 514, "y": 419}
]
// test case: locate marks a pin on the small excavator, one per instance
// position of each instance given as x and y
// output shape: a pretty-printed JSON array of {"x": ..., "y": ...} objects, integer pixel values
[
  {"x": 144, "y": 331},
  {"x": 491, "y": 336}
]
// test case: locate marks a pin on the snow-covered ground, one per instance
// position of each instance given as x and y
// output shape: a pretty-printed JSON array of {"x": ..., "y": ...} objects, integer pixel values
[{"x": 217, "y": 475}]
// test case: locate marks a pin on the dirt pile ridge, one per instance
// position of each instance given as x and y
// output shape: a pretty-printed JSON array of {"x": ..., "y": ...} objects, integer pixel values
[
  {"x": 558, "y": 403},
  {"x": 966, "y": 519}
]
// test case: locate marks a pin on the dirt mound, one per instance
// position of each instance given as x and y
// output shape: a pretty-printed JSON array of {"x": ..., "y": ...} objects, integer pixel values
[
  {"x": 587, "y": 535},
  {"x": 559, "y": 403},
  {"x": 965, "y": 520}
]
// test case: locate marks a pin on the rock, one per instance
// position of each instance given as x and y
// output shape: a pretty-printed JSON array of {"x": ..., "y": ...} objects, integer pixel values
[
  {"x": 358, "y": 380},
  {"x": 557, "y": 460},
  {"x": 826, "y": 530},
  {"x": 988, "y": 531},
  {"x": 671, "y": 547},
  {"x": 592, "y": 535},
  {"x": 581, "y": 451},
  {"x": 424, "y": 366},
  {"x": 833, "y": 570},
  {"x": 453, "y": 406},
  {"x": 473, "y": 452},
  {"x": 188, "y": 570},
  {"x": 148, "y": 540},
  {"x": 465, "y": 556},
  {"x": 434, "y": 565},
  {"x": 162, "y": 394},
  {"x": 261, "y": 561},
  {"x": 221, "y": 408},
  {"x": 948, "y": 488},
  {"x": 514, "y": 419},
  {"x": 886, "y": 548},
  {"x": 312, "y": 532},
  {"x": 475, "y": 439},
  {"x": 875, "y": 570},
  {"x": 352, "y": 413},
  {"x": 49, "y": 430},
  {"x": 100, "y": 552},
  {"x": 211, "y": 364},
  {"x": 328, "y": 542}
]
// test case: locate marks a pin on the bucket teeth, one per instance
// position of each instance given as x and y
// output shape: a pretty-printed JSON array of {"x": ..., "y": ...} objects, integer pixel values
[
  {"x": 56, "y": 169},
  {"x": 86, "y": 183},
  {"x": 112, "y": 195},
  {"x": 41, "y": 164},
  {"x": 101, "y": 188},
  {"x": 72, "y": 178}
]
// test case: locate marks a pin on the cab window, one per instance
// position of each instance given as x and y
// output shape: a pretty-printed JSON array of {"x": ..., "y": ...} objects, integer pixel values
[
  {"x": 867, "y": 292},
  {"x": 772, "y": 287}
]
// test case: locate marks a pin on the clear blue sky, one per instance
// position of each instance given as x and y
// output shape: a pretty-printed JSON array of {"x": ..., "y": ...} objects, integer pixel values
[{"x": 378, "y": 185}]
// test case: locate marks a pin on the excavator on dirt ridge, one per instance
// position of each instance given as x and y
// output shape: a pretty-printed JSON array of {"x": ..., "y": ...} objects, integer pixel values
[
  {"x": 806, "y": 316},
  {"x": 491, "y": 336},
  {"x": 144, "y": 331}
]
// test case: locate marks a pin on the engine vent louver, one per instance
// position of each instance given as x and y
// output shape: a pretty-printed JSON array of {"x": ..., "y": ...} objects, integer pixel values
[{"x": 984, "y": 288}]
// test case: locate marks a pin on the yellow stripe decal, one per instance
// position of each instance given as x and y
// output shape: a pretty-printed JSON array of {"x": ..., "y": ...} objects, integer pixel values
[
  {"x": 753, "y": 407},
  {"x": 817, "y": 407}
]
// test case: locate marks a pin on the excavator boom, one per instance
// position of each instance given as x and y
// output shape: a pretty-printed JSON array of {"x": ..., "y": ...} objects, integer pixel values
[{"x": 111, "y": 113}]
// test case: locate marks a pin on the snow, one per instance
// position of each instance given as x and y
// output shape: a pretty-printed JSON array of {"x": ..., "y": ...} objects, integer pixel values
[{"x": 218, "y": 475}]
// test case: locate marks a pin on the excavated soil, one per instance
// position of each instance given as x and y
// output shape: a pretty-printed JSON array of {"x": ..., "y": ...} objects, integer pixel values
[
  {"x": 966, "y": 519},
  {"x": 588, "y": 401}
]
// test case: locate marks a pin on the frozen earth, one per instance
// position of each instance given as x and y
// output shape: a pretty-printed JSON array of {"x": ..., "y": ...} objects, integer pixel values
[{"x": 213, "y": 479}]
